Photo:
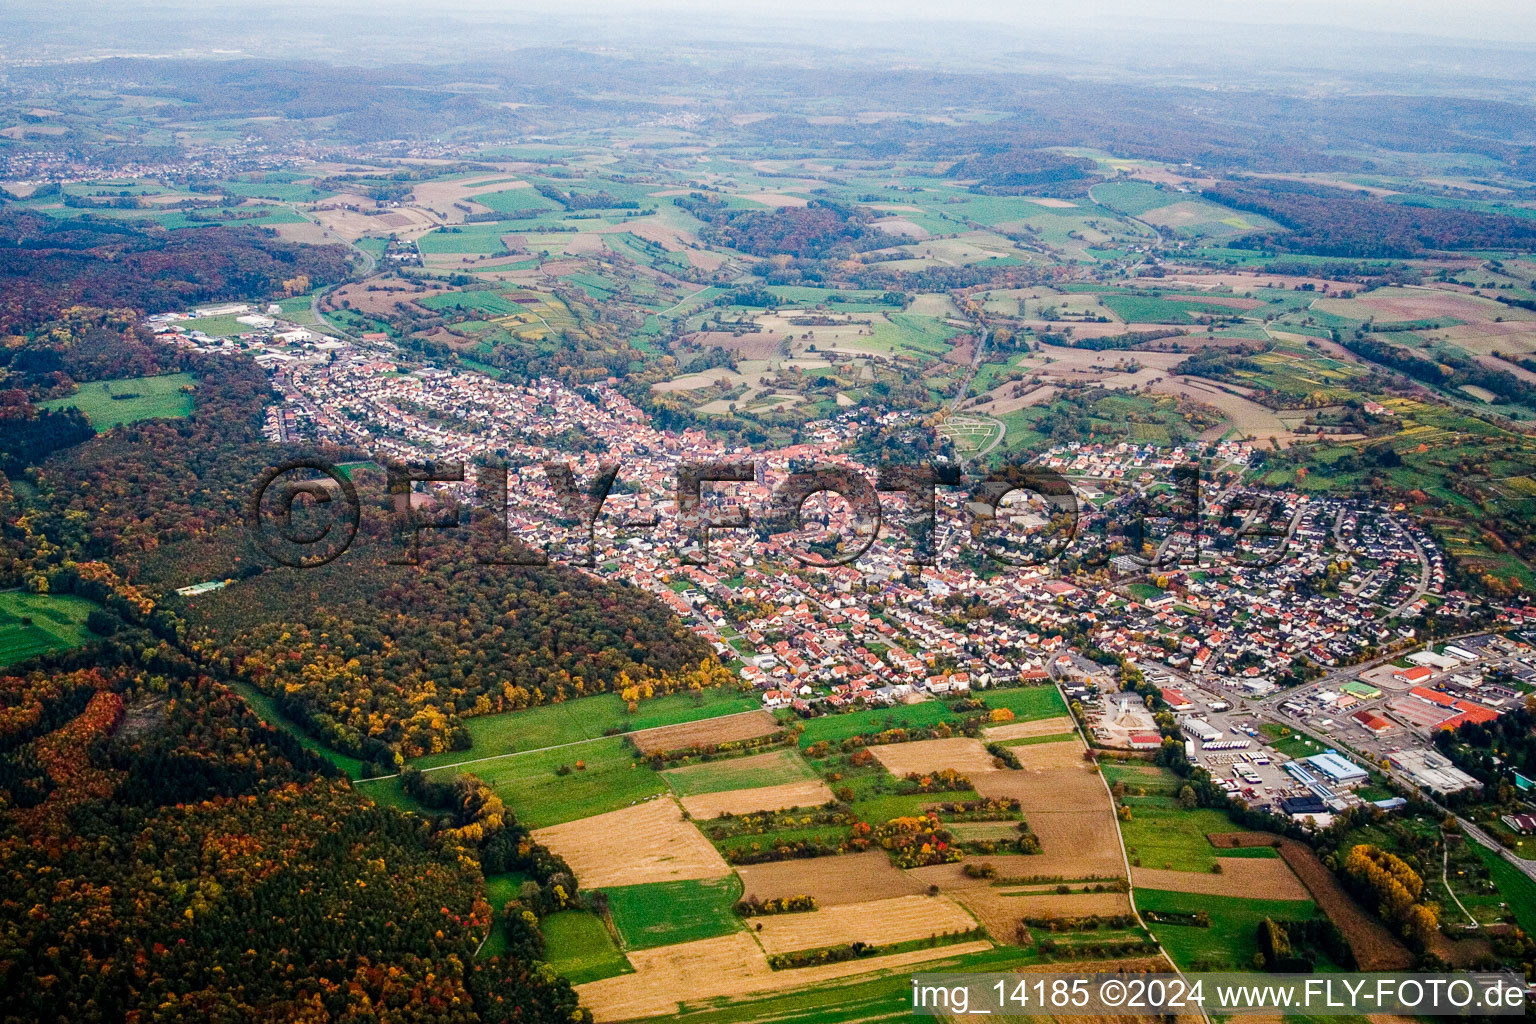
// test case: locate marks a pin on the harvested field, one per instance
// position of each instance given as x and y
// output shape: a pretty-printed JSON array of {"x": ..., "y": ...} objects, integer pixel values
[
  {"x": 776, "y": 199},
  {"x": 1375, "y": 948},
  {"x": 1053, "y": 204},
  {"x": 1246, "y": 415},
  {"x": 649, "y": 842},
  {"x": 900, "y": 226},
  {"x": 999, "y": 906},
  {"x": 1020, "y": 730},
  {"x": 1405, "y": 303},
  {"x": 971, "y": 830},
  {"x": 1000, "y": 910},
  {"x": 852, "y": 878},
  {"x": 730, "y": 966},
  {"x": 879, "y": 921},
  {"x": 1066, "y": 755},
  {"x": 964, "y": 755},
  {"x": 305, "y": 232},
  {"x": 354, "y": 224},
  {"x": 758, "y": 345},
  {"x": 948, "y": 877},
  {"x": 762, "y": 798},
  {"x": 746, "y": 726},
  {"x": 379, "y": 295},
  {"x": 1066, "y": 805},
  {"x": 1261, "y": 878}
]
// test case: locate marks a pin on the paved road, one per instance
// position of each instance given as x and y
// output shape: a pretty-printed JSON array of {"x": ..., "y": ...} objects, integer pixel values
[
  {"x": 370, "y": 265},
  {"x": 1525, "y": 867}
]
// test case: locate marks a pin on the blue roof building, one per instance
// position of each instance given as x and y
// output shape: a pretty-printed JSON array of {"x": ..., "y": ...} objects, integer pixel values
[{"x": 1339, "y": 769}]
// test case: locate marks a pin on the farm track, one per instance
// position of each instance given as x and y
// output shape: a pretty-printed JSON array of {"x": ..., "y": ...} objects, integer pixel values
[{"x": 557, "y": 746}]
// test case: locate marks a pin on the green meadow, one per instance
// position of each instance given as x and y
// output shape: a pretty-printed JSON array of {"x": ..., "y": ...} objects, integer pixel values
[{"x": 111, "y": 403}]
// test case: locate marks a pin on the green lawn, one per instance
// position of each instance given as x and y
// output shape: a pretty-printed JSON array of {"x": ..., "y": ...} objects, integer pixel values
[
  {"x": 33, "y": 623},
  {"x": 774, "y": 769},
  {"x": 1230, "y": 942},
  {"x": 109, "y": 403},
  {"x": 665, "y": 913},
  {"x": 1166, "y": 836},
  {"x": 1517, "y": 888},
  {"x": 577, "y": 944},
  {"x": 479, "y": 300},
  {"x": 908, "y": 334},
  {"x": 840, "y": 727},
  {"x": 1026, "y": 702},
  {"x": 1029, "y": 741},
  {"x": 539, "y": 795},
  {"x": 585, "y": 718}
]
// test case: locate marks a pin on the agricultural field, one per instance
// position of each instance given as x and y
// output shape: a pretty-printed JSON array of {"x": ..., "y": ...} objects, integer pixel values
[
  {"x": 31, "y": 624},
  {"x": 658, "y": 846},
  {"x": 111, "y": 403},
  {"x": 668, "y": 913},
  {"x": 1229, "y": 942},
  {"x": 726, "y": 727},
  {"x": 831, "y": 881},
  {"x": 773, "y": 768},
  {"x": 966, "y": 756},
  {"x": 549, "y": 787},
  {"x": 593, "y": 717},
  {"x": 578, "y": 945},
  {"x": 884, "y": 921}
]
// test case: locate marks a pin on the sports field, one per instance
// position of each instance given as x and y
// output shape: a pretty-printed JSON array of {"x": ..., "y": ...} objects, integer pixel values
[{"x": 110, "y": 403}]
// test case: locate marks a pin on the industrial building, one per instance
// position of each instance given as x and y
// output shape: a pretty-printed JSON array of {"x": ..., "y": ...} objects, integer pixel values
[
  {"x": 1432, "y": 771},
  {"x": 1338, "y": 769}
]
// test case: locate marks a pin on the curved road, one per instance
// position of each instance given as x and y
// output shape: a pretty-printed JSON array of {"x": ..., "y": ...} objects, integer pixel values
[{"x": 370, "y": 265}]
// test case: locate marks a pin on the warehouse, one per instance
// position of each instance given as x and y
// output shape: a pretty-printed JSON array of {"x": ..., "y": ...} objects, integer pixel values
[{"x": 1339, "y": 770}]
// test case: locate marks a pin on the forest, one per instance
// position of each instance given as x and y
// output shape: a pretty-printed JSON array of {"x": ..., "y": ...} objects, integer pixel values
[
  {"x": 162, "y": 834},
  {"x": 50, "y": 263},
  {"x": 1326, "y": 221},
  {"x": 807, "y": 231}
]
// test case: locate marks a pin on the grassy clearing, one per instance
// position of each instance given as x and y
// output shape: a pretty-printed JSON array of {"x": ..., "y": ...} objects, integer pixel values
[
  {"x": 1518, "y": 890},
  {"x": 1161, "y": 835},
  {"x": 585, "y": 718},
  {"x": 266, "y": 709},
  {"x": 483, "y": 301},
  {"x": 604, "y": 776},
  {"x": 666, "y": 913},
  {"x": 839, "y": 727},
  {"x": 1026, "y": 702},
  {"x": 110, "y": 403},
  {"x": 1230, "y": 942},
  {"x": 780, "y": 767},
  {"x": 578, "y": 945},
  {"x": 1029, "y": 741},
  {"x": 33, "y": 623}
]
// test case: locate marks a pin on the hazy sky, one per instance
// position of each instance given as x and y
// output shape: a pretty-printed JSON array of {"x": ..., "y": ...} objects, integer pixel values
[{"x": 1503, "y": 20}]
